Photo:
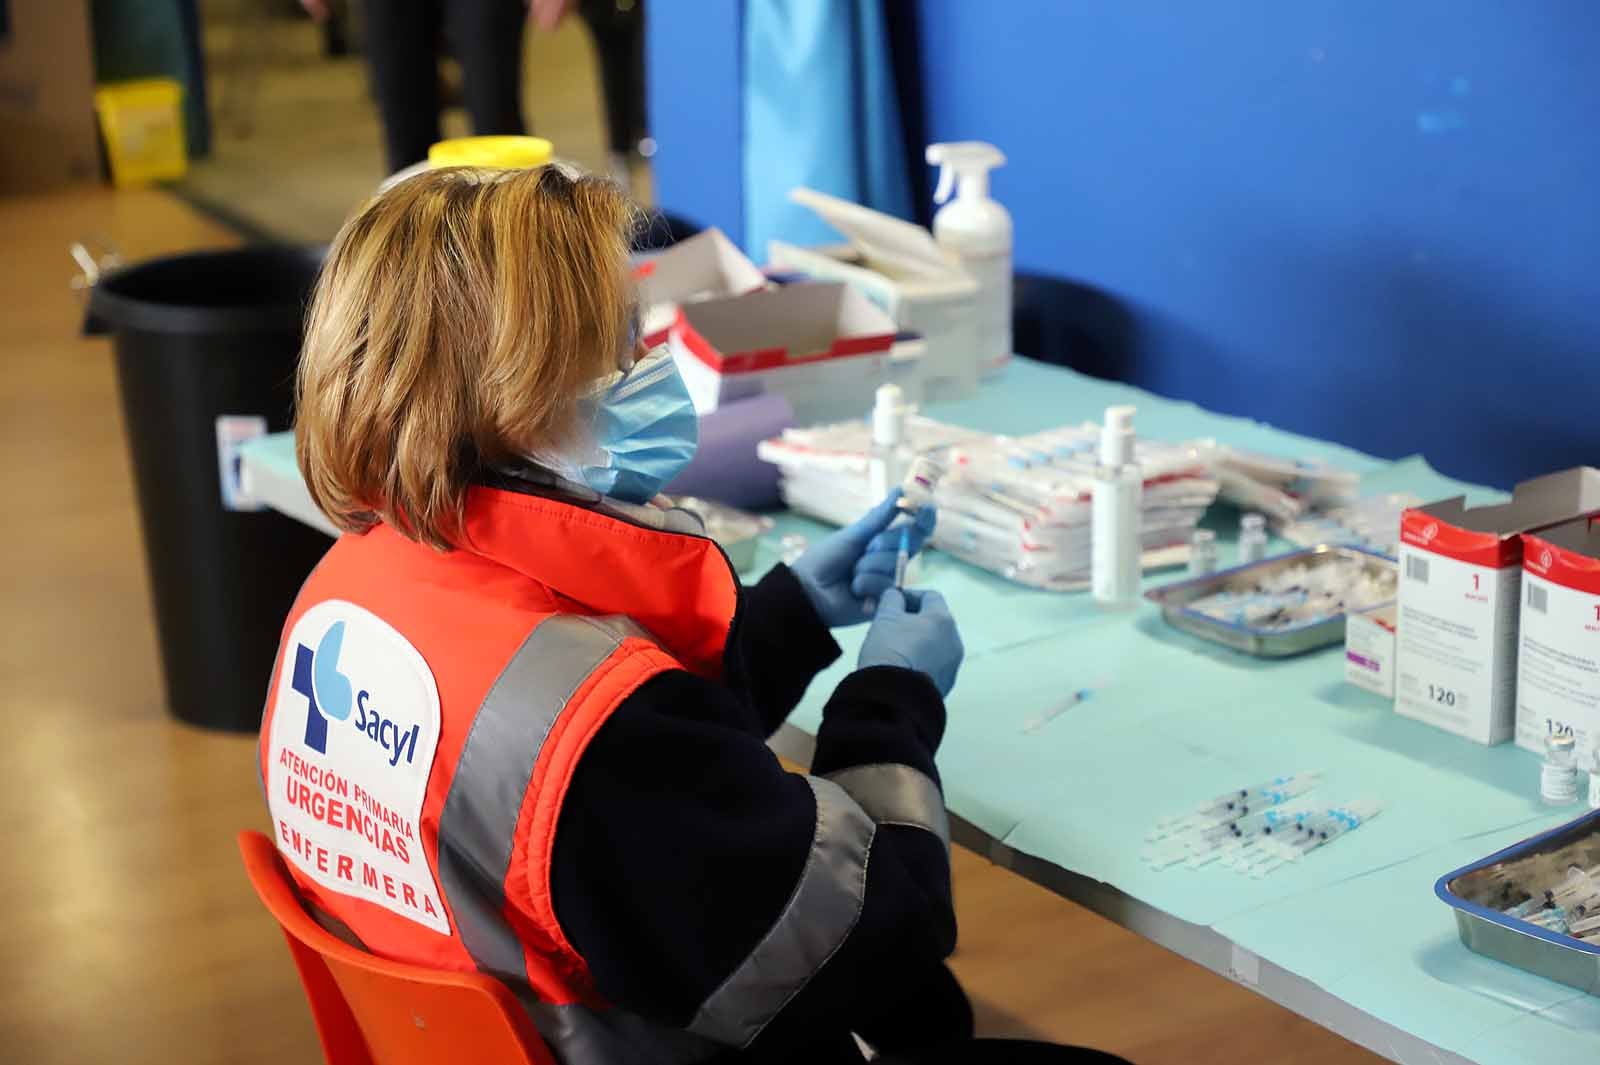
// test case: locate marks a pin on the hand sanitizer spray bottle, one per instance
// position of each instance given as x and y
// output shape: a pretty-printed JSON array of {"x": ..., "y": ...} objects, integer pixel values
[
  {"x": 1115, "y": 500},
  {"x": 977, "y": 230}
]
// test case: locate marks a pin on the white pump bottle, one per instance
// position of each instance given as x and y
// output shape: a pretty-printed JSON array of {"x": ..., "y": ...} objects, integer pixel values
[
  {"x": 977, "y": 230},
  {"x": 1115, "y": 514}
]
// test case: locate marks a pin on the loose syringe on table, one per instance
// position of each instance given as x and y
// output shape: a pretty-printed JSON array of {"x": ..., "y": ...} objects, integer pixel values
[{"x": 1255, "y": 830}]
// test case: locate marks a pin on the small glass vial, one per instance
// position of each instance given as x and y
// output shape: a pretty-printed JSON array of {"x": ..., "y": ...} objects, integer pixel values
[
  {"x": 1252, "y": 539},
  {"x": 1202, "y": 553},
  {"x": 1558, "y": 776}
]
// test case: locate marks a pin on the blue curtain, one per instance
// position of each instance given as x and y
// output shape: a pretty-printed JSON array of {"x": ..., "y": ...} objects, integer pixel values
[{"x": 819, "y": 110}]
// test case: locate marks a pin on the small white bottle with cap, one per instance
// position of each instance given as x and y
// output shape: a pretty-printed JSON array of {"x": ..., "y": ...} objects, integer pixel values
[
  {"x": 1558, "y": 776},
  {"x": 1115, "y": 510},
  {"x": 1202, "y": 553},
  {"x": 887, "y": 468},
  {"x": 891, "y": 458},
  {"x": 977, "y": 230},
  {"x": 1252, "y": 539}
]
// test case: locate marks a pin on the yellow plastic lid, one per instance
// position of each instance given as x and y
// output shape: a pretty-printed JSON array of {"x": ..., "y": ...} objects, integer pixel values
[{"x": 503, "y": 151}]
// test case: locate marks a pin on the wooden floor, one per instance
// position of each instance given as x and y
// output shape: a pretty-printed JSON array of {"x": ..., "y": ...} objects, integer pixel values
[{"x": 130, "y": 934}]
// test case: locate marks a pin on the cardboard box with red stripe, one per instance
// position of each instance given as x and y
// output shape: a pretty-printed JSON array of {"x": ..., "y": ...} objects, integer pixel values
[
  {"x": 1460, "y": 581},
  {"x": 1558, "y": 660},
  {"x": 705, "y": 266},
  {"x": 824, "y": 347}
]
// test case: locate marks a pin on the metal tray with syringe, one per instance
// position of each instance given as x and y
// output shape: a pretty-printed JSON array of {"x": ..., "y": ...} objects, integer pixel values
[
  {"x": 1280, "y": 606},
  {"x": 1536, "y": 904}
]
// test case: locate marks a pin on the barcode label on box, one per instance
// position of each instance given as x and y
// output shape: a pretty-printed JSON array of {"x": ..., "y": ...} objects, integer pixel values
[
  {"x": 1416, "y": 569},
  {"x": 1538, "y": 598}
]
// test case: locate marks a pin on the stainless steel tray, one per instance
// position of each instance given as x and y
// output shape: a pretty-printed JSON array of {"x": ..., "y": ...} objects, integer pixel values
[
  {"x": 1470, "y": 892},
  {"x": 1174, "y": 600}
]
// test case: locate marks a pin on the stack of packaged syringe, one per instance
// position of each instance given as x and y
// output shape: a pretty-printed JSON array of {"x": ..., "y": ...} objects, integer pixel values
[
  {"x": 1372, "y": 523},
  {"x": 1018, "y": 506},
  {"x": 826, "y": 468},
  {"x": 1256, "y": 830},
  {"x": 1283, "y": 489}
]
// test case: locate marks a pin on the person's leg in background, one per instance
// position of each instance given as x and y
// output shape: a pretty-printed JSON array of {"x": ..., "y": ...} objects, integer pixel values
[
  {"x": 485, "y": 36},
  {"x": 617, "y": 27},
  {"x": 402, "y": 39}
]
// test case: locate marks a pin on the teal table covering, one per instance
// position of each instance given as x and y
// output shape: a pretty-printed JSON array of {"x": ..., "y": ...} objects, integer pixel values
[{"x": 1173, "y": 720}]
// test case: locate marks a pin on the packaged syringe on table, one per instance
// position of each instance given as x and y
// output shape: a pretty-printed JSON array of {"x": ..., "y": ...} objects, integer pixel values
[{"x": 1018, "y": 506}]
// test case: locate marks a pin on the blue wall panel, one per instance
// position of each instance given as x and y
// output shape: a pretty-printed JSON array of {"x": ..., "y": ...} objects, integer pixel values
[
  {"x": 1369, "y": 221},
  {"x": 692, "y": 56}
]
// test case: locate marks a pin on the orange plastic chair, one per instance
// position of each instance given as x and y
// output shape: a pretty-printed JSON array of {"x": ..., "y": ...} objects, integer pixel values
[{"x": 370, "y": 1011}]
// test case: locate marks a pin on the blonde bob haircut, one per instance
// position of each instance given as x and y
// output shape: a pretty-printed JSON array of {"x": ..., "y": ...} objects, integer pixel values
[{"x": 458, "y": 318}]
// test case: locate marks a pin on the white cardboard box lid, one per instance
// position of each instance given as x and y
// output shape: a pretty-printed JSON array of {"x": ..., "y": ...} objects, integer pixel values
[
  {"x": 903, "y": 278},
  {"x": 876, "y": 233},
  {"x": 706, "y": 262}
]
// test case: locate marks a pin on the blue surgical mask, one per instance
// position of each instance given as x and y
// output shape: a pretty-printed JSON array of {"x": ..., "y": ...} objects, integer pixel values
[{"x": 644, "y": 430}]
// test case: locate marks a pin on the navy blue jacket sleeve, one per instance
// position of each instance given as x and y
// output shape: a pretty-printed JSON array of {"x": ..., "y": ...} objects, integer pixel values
[
  {"x": 682, "y": 840},
  {"x": 778, "y": 644}
]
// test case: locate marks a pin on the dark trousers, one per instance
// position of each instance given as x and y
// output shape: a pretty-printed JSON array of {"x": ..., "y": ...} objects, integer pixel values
[
  {"x": 402, "y": 45},
  {"x": 618, "y": 31}
]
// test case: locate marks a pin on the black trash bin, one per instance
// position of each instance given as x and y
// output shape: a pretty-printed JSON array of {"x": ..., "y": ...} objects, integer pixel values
[{"x": 197, "y": 337}]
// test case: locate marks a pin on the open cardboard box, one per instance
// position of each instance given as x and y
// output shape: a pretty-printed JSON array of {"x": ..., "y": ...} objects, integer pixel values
[
  {"x": 1558, "y": 657},
  {"x": 824, "y": 347},
  {"x": 899, "y": 267},
  {"x": 705, "y": 266},
  {"x": 1460, "y": 583}
]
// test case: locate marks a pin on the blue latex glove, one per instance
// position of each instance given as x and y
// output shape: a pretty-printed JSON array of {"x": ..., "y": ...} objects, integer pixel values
[
  {"x": 830, "y": 570},
  {"x": 875, "y": 569},
  {"x": 914, "y": 630}
]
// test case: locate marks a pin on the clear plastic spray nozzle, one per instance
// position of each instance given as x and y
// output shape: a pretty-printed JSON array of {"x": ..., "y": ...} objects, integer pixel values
[{"x": 968, "y": 161}]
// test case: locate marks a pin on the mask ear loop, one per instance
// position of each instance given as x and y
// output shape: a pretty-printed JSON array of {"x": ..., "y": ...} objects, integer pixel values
[
  {"x": 589, "y": 403},
  {"x": 630, "y": 351}
]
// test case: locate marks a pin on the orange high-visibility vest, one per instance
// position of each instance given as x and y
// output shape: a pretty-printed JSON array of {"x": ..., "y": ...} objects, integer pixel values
[{"x": 425, "y": 717}]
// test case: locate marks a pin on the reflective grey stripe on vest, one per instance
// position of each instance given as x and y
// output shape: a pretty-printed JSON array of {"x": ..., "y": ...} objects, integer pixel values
[
  {"x": 817, "y": 920},
  {"x": 894, "y": 794},
  {"x": 477, "y": 829},
  {"x": 582, "y": 1036}
]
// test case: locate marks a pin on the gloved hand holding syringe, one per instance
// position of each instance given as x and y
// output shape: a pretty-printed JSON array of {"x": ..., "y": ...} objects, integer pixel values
[
  {"x": 908, "y": 533},
  {"x": 844, "y": 574}
]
